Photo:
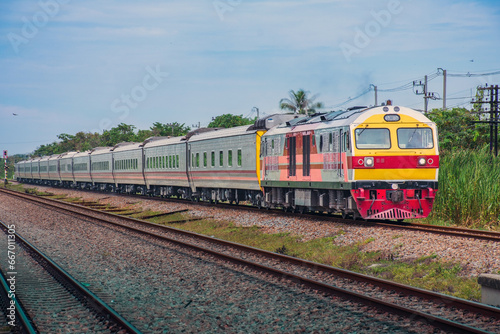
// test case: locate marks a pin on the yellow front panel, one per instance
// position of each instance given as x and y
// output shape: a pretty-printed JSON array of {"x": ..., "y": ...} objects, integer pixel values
[{"x": 396, "y": 174}]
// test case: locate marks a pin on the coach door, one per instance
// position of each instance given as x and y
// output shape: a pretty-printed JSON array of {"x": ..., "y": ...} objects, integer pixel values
[{"x": 189, "y": 167}]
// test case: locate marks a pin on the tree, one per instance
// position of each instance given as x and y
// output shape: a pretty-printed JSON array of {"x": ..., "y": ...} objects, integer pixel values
[
  {"x": 121, "y": 133},
  {"x": 456, "y": 129},
  {"x": 300, "y": 103},
  {"x": 230, "y": 121},
  {"x": 171, "y": 129}
]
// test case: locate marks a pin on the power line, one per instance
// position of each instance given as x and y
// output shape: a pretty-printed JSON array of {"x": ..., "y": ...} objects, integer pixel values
[
  {"x": 469, "y": 75},
  {"x": 352, "y": 99},
  {"x": 411, "y": 84}
]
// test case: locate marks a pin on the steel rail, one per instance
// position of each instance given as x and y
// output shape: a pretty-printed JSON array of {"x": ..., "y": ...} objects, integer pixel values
[
  {"x": 483, "y": 309},
  {"x": 22, "y": 320},
  {"x": 435, "y": 229},
  {"x": 90, "y": 298}
]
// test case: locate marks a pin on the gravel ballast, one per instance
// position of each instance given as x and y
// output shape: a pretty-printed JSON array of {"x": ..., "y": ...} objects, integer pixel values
[
  {"x": 164, "y": 288},
  {"x": 474, "y": 256}
]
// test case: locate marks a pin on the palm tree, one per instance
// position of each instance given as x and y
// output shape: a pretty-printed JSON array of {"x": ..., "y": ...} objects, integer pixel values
[{"x": 300, "y": 103}]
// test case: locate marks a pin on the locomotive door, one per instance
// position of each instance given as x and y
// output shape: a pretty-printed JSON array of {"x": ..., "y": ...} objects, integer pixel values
[
  {"x": 265, "y": 150},
  {"x": 292, "y": 155},
  {"x": 306, "y": 155},
  {"x": 341, "y": 153}
]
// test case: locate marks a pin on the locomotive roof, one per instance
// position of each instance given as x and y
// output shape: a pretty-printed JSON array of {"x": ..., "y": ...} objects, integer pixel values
[
  {"x": 220, "y": 133},
  {"x": 343, "y": 117}
]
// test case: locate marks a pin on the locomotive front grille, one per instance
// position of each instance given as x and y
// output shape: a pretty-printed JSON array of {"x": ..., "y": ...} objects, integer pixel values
[{"x": 394, "y": 213}]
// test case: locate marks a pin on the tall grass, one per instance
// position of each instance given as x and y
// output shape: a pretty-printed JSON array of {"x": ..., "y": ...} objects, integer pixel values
[{"x": 469, "y": 189}]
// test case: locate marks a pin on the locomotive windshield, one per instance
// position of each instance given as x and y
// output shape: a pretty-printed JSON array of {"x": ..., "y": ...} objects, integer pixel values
[
  {"x": 415, "y": 138},
  {"x": 372, "y": 138}
]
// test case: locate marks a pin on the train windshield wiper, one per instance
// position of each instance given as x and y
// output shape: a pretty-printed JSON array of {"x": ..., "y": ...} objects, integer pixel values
[{"x": 413, "y": 133}]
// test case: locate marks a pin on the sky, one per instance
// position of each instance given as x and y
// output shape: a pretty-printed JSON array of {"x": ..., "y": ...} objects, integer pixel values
[{"x": 71, "y": 65}]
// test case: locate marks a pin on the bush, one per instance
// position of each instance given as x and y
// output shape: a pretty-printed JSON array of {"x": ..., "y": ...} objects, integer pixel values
[{"x": 469, "y": 188}]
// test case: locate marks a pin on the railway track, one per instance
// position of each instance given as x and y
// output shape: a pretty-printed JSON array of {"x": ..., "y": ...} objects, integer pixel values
[
  {"x": 46, "y": 298},
  {"x": 445, "y": 312},
  {"x": 440, "y": 230}
]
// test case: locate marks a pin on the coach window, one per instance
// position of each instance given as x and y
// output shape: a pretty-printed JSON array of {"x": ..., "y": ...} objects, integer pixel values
[
  {"x": 177, "y": 161},
  {"x": 221, "y": 158},
  {"x": 240, "y": 157},
  {"x": 197, "y": 159},
  {"x": 170, "y": 161},
  {"x": 213, "y": 159},
  {"x": 230, "y": 158},
  {"x": 372, "y": 138}
]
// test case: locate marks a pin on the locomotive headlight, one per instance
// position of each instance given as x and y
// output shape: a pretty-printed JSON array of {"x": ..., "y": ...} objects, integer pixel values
[
  {"x": 369, "y": 162},
  {"x": 421, "y": 161}
]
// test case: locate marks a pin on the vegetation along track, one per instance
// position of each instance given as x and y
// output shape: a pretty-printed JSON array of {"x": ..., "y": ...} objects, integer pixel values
[
  {"x": 442, "y": 311},
  {"x": 47, "y": 299}
]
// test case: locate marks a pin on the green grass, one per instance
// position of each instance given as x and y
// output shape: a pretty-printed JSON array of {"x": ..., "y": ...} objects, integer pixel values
[{"x": 469, "y": 190}]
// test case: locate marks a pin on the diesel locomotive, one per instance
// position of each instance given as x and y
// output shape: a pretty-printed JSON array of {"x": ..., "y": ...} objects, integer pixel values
[{"x": 373, "y": 163}]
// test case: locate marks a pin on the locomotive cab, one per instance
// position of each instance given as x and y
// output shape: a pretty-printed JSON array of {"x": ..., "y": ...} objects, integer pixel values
[{"x": 395, "y": 163}]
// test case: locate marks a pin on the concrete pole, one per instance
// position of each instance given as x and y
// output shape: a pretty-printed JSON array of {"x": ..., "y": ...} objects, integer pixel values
[
  {"x": 425, "y": 94},
  {"x": 444, "y": 89}
]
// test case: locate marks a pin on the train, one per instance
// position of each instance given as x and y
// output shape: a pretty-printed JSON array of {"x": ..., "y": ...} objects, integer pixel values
[{"x": 377, "y": 162}]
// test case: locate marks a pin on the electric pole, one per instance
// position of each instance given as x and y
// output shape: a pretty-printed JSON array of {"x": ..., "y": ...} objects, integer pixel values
[
  {"x": 426, "y": 102},
  {"x": 257, "y": 110},
  {"x": 491, "y": 98},
  {"x": 5, "y": 156},
  {"x": 444, "y": 86}
]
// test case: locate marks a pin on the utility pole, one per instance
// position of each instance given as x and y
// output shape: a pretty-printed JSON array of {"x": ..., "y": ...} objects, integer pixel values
[
  {"x": 5, "y": 156},
  {"x": 426, "y": 102},
  {"x": 492, "y": 96},
  {"x": 375, "y": 90},
  {"x": 423, "y": 91},
  {"x": 444, "y": 86},
  {"x": 257, "y": 110}
]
